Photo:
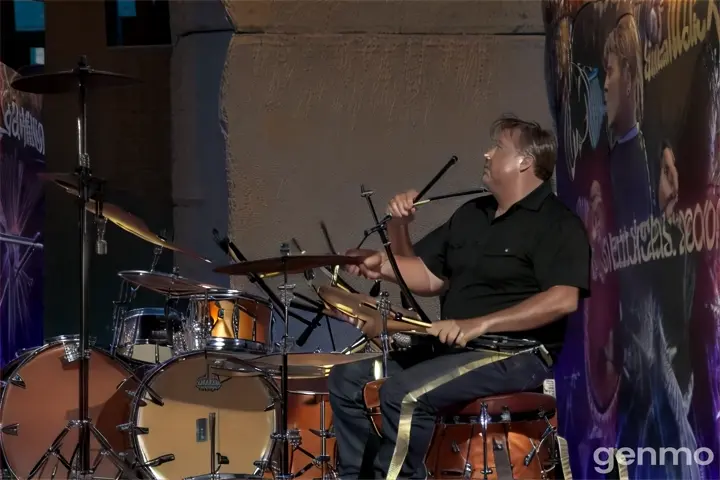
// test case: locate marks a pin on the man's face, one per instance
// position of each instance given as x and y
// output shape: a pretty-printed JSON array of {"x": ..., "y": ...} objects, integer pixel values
[
  {"x": 614, "y": 86},
  {"x": 502, "y": 161},
  {"x": 668, "y": 188}
]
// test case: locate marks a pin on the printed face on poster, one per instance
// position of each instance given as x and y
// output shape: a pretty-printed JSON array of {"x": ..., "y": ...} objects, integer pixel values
[{"x": 22, "y": 158}]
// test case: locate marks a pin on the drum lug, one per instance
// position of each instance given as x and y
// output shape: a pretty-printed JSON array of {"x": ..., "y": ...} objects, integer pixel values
[
  {"x": 132, "y": 394},
  {"x": 16, "y": 381},
  {"x": 11, "y": 429},
  {"x": 131, "y": 427}
]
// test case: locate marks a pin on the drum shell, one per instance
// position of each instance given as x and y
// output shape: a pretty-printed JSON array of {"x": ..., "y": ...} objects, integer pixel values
[
  {"x": 244, "y": 317},
  {"x": 41, "y": 396},
  {"x": 239, "y": 404},
  {"x": 454, "y": 445},
  {"x": 304, "y": 415},
  {"x": 147, "y": 334}
]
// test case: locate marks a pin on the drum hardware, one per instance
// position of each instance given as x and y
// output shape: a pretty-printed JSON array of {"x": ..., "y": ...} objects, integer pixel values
[{"x": 87, "y": 187}]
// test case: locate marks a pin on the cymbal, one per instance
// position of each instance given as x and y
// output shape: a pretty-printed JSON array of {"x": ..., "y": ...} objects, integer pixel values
[
  {"x": 69, "y": 81},
  {"x": 291, "y": 263},
  {"x": 168, "y": 284},
  {"x": 363, "y": 307},
  {"x": 123, "y": 219},
  {"x": 300, "y": 365}
]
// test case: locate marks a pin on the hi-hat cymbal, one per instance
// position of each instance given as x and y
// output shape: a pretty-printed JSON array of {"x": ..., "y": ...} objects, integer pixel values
[
  {"x": 69, "y": 81},
  {"x": 169, "y": 284},
  {"x": 363, "y": 307},
  {"x": 290, "y": 263},
  {"x": 123, "y": 219}
]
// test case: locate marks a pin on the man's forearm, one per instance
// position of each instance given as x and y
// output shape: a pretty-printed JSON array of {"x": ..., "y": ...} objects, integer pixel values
[
  {"x": 399, "y": 236},
  {"x": 416, "y": 275},
  {"x": 535, "y": 312}
]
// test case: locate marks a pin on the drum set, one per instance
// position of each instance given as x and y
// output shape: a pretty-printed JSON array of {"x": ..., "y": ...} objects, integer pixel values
[{"x": 199, "y": 388}]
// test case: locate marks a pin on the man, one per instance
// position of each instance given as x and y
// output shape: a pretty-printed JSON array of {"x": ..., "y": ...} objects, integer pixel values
[{"x": 515, "y": 263}]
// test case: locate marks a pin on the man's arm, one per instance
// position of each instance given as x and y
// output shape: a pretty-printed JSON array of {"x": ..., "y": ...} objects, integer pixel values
[
  {"x": 424, "y": 272},
  {"x": 419, "y": 279}
]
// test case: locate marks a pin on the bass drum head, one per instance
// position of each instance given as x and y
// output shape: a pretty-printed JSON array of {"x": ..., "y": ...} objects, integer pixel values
[
  {"x": 181, "y": 425},
  {"x": 41, "y": 396}
]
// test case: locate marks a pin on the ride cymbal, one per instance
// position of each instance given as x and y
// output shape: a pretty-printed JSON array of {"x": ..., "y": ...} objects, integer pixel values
[{"x": 290, "y": 263}]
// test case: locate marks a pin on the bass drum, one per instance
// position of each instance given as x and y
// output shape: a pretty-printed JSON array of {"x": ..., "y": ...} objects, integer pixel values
[
  {"x": 39, "y": 397},
  {"x": 171, "y": 414}
]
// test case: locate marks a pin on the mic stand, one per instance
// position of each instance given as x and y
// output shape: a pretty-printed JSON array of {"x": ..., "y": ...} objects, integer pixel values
[
  {"x": 88, "y": 187},
  {"x": 381, "y": 229}
]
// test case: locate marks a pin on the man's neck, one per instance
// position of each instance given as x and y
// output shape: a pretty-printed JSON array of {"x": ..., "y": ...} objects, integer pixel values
[
  {"x": 510, "y": 197},
  {"x": 624, "y": 126}
]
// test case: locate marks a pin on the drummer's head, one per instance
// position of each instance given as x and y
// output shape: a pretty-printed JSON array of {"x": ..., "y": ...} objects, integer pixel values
[{"x": 521, "y": 157}]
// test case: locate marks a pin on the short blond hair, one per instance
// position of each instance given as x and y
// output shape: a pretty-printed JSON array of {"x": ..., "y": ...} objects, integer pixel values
[{"x": 624, "y": 42}]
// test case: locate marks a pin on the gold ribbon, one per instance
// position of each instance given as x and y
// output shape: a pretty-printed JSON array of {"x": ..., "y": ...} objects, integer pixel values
[{"x": 409, "y": 402}]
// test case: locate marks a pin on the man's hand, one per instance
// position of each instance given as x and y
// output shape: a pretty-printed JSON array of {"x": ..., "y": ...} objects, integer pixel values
[
  {"x": 401, "y": 206},
  {"x": 370, "y": 267},
  {"x": 457, "y": 332}
]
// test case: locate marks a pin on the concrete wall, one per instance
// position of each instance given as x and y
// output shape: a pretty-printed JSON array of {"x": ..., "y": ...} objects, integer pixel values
[
  {"x": 129, "y": 146},
  {"x": 320, "y": 97}
]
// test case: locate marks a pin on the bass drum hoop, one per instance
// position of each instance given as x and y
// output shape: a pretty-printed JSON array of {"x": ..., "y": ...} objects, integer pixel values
[
  {"x": 28, "y": 355},
  {"x": 140, "y": 456}
]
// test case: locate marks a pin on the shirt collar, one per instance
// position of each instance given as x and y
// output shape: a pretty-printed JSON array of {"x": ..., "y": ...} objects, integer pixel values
[
  {"x": 531, "y": 201},
  {"x": 632, "y": 133}
]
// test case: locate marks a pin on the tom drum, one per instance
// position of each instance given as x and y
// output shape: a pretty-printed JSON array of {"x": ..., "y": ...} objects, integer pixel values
[
  {"x": 146, "y": 334},
  {"x": 240, "y": 318}
]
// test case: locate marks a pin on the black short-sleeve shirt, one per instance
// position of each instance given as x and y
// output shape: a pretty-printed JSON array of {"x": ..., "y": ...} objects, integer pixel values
[{"x": 495, "y": 263}]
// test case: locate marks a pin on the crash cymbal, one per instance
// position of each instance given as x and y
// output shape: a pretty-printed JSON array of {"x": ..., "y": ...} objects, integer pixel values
[
  {"x": 123, "y": 219},
  {"x": 290, "y": 263},
  {"x": 364, "y": 308},
  {"x": 69, "y": 81},
  {"x": 168, "y": 284}
]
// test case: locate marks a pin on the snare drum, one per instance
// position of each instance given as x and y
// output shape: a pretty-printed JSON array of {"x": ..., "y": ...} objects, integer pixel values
[
  {"x": 234, "y": 316},
  {"x": 146, "y": 334},
  {"x": 40, "y": 396},
  {"x": 179, "y": 424}
]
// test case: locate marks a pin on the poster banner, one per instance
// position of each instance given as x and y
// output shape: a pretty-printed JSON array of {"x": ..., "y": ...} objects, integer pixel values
[
  {"x": 634, "y": 87},
  {"x": 22, "y": 158}
]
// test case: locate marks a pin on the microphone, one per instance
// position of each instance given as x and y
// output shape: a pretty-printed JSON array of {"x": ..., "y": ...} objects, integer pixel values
[
  {"x": 223, "y": 243},
  {"x": 101, "y": 246}
]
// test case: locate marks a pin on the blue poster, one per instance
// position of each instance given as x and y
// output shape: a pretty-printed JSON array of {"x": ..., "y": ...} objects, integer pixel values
[{"x": 22, "y": 158}]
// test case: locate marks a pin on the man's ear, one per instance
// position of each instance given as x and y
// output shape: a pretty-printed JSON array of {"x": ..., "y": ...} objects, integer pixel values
[{"x": 526, "y": 161}]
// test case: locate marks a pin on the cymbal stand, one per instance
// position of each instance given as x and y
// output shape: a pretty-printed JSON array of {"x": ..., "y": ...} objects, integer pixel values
[
  {"x": 383, "y": 303},
  {"x": 282, "y": 435},
  {"x": 88, "y": 187}
]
